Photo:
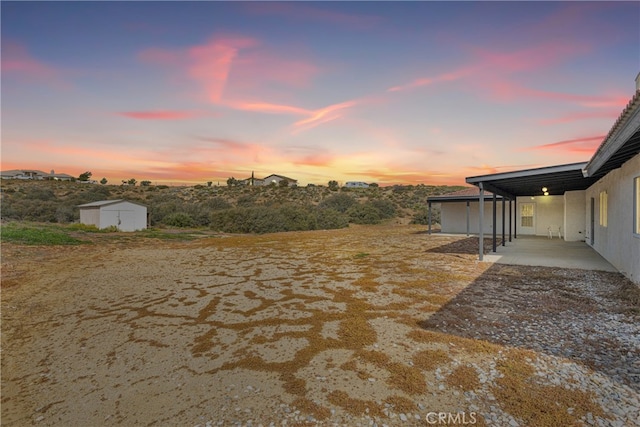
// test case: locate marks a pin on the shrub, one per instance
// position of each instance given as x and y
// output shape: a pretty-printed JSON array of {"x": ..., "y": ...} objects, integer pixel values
[
  {"x": 386, "y": 208},
  {"x": 217, "y": 203},
  {"x": 422, "y": 216},
  {"x": 179, "y": 219},
  {"x": 339, "y": 202},
  {"x": 364, "y": 214},
  {"x": 327, "y": 219}
]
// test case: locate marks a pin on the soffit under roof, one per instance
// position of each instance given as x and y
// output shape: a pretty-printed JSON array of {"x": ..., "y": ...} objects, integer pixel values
[{"x": 529, "y": 182}]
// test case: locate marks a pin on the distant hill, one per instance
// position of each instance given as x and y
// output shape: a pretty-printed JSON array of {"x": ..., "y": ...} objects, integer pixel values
[{"x": 202, "y": 206}]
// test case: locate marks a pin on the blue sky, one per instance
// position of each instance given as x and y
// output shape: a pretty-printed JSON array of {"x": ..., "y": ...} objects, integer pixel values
[{"x": 387, "y": 92}]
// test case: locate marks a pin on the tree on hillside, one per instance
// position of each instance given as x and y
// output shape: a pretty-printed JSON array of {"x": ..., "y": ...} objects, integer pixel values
[
  {"x": 374, "y": 185},
  {"x": 145, "y": 183},
  {"x": 232, "y": 182},
  {"x": 132, "y": 181},
  {"x": 85, "y": 176},
  {"x": 103, "y": 181},
  {"x": 333, "y": 185}
]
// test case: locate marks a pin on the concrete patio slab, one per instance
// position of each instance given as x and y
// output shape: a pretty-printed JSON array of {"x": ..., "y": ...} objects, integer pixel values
[{"x": 545, "y": 252}]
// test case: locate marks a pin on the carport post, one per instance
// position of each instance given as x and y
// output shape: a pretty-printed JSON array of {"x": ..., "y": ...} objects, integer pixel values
[
  {"x": 503, "y": 221},
  {"x": 493, "y": 244},
  {"x": 429, "y": 216},
  {"x": 481, "y": 219},
  {"x": 509, "y": 220},
  {"x": 468, "y": 226},
  {"x": 515, "y": 218}
]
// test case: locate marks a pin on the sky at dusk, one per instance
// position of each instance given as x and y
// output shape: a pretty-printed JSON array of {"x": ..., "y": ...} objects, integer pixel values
[{"x": 386, "y": 92}]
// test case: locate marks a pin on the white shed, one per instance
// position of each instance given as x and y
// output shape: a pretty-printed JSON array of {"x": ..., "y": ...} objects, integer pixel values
[{"x": 127, "y": 216}]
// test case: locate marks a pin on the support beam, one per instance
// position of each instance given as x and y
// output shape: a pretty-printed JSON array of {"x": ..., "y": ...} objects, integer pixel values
[
  {"x": 515, "y": 218},
  {"x": 503, "y": 221},
  {"x": 510, "y": 222},
  {"x": 468, "y": 216},
  {"x": 481, "y": 220},
  {"x": 429, "y": 217},
  {"x": 493, "y": 243}
]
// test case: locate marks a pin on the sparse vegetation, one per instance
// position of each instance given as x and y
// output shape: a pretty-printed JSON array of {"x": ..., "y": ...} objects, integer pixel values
[
  {"x": 275, "y": 208},
  {"x": 35, "y": 235}
]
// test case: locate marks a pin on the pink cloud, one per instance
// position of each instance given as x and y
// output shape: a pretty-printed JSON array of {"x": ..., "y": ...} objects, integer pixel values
[
  {"x": 160, "y": 115},
  {"x": 227, "y": 70},
  {"x": 309, "y": 156},
  {"x": 506, "y": 91},
  {"x": 572, "y": 117},
  {"x": 18, "y": 62},
  {"x": 410, "y": 178},
  {"x": 441, "y": 78},
  {"x": 259, "y": 68},
  {"x": 577, "y": 145},
  {"x": 266, "y": 107},
  {"x": 210, "y": 64}
]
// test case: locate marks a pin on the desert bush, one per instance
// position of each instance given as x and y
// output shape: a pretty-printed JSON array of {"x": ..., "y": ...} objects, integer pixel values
[
  {"x": 328, "y": 219},
  {"x": 339, "y": 202},
  {"x": 386, "y": 208},
  {"x": 217, "y": 203},
  {"x": 179, "y": 219},
  {"x": 422, "y": 216},
  {"x": 364, "y": 213},
  {"x": 66, "y": 213}
]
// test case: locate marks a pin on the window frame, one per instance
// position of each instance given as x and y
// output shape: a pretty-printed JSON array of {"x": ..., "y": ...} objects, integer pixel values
[{"x": 603, "y": 217}]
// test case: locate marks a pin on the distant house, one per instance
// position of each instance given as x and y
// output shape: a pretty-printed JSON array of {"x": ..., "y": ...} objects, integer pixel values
[
  {"x": 35, "y": 175},
  {"x": 271, "y": 179},
  {"x": 126, "y": 216},
  {"x": 276, "y": 179},
  {"x": 23, "y": 174},
  {"x": 356, "y": 184}
]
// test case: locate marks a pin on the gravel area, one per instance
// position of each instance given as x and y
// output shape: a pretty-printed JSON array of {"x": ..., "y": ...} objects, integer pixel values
[{"x": 367, "y": 326}]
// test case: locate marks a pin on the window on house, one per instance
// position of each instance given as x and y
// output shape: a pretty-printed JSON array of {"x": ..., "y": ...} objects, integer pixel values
[
  {"x": 526, "y": 215},
  {"x": 636, "y": 205},
  {"x": 603, "y": 208}
]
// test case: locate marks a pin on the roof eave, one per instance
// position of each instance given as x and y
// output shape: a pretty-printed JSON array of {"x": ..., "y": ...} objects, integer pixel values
[
  {"x": 527, "y": 172},
  {"x": 614, "y": 142}
]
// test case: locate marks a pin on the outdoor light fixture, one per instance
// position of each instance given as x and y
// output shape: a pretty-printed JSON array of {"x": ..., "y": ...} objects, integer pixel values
[
  {"x": 544, "y": 190},
  {"x": 546, "y": 193}
]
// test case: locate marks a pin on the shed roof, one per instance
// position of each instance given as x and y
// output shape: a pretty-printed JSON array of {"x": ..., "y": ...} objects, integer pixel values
[{"x": 102, "y": 203}]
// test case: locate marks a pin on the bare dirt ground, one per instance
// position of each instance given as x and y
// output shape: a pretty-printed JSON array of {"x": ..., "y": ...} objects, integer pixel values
[{"x": 381, "y": 325}]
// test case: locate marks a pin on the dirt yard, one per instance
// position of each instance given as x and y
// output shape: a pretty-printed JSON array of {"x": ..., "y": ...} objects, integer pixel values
[{"x": 380, "y": 325}]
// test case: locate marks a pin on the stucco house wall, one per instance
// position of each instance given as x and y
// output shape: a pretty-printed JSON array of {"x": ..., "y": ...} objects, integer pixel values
[
  {"x": 453, "y": 217},
  {"x": 616, "y": 242},
  {"x": 574, "y": 216},
  {"x": 548, "y": 212}
]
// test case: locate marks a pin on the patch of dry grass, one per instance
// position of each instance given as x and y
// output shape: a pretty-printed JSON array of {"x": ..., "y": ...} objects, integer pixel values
[
  {"x": 466, "y": 344},
  {"x": 429, "y": 360},
  {"x": 400, "y": 404},
  {"x": 534, "y": 404},
  {"x": 307, "y": 406},
  {"x": 354, "y": 406},
  {"x": 464, "y": 377}
]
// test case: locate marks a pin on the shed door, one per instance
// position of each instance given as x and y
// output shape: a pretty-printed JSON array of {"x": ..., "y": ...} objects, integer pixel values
[{"x": 527, "y": 218}]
